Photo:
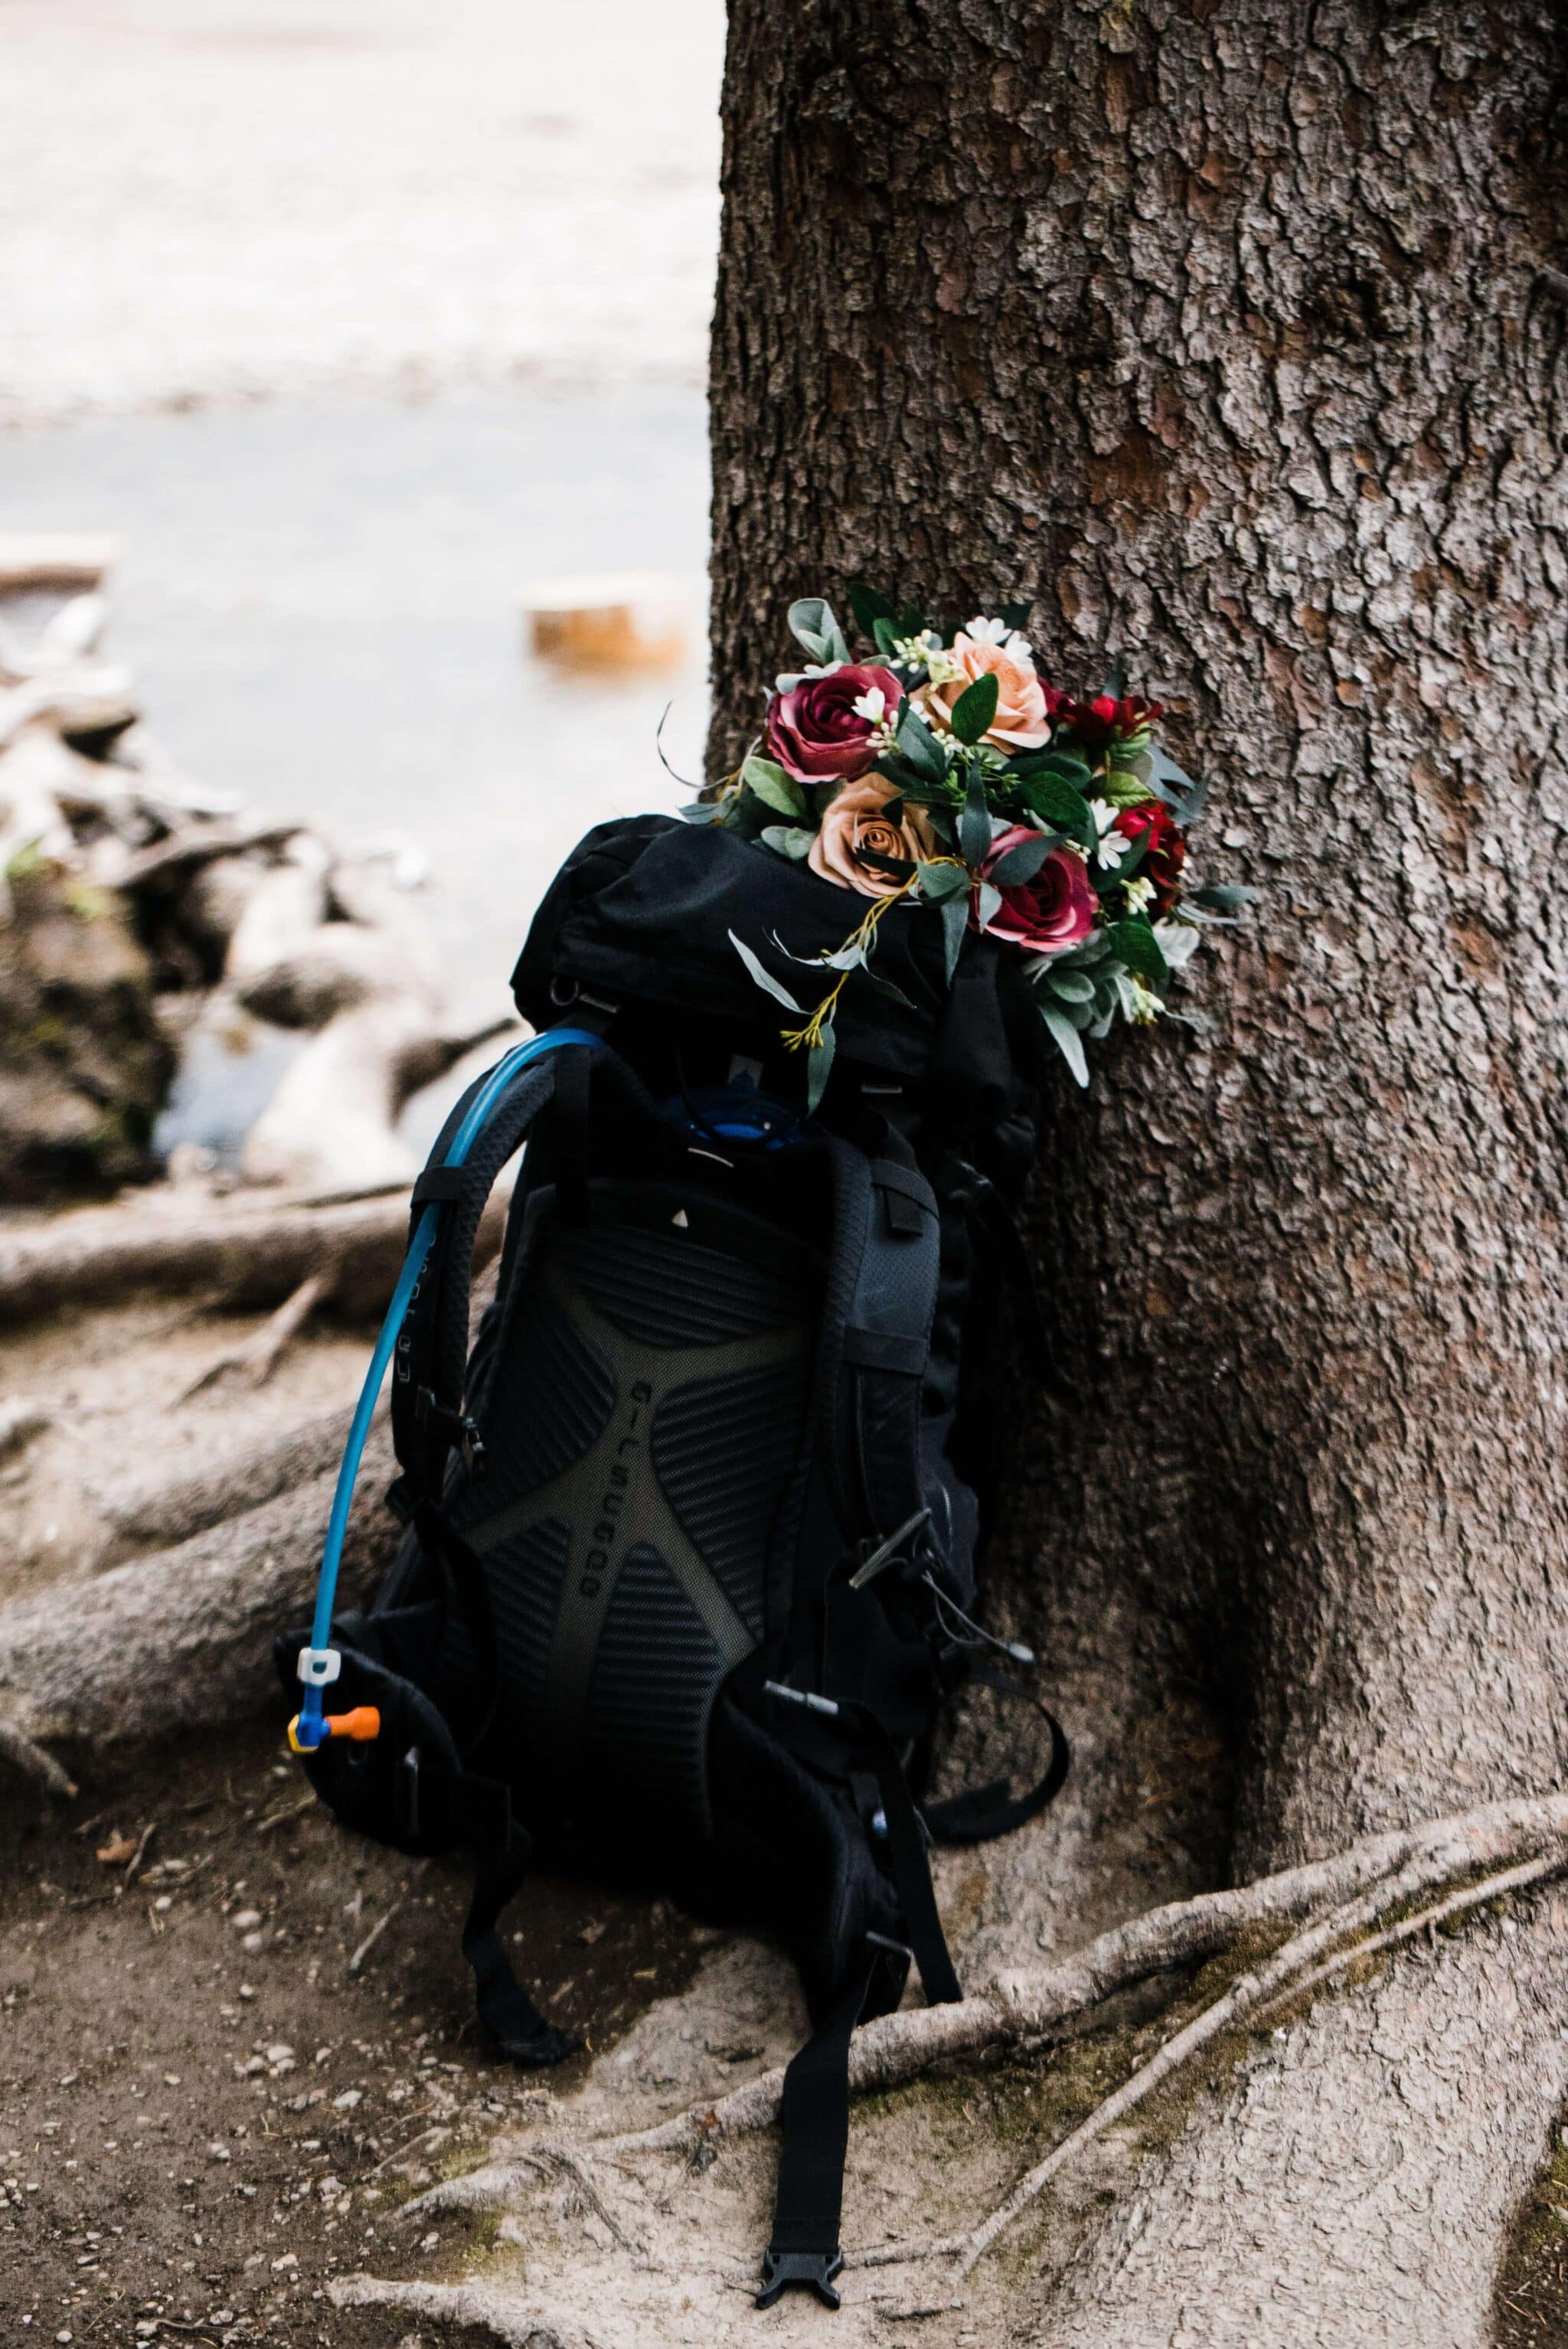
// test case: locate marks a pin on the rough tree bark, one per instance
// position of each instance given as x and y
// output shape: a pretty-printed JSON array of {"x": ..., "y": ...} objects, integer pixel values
[{"x": 1231, "y": 332}]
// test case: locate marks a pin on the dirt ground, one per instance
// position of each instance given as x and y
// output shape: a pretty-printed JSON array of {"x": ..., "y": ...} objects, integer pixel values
[
  {"x": 206, "y": 2111},
  {"x": 209, "y": 2110}
]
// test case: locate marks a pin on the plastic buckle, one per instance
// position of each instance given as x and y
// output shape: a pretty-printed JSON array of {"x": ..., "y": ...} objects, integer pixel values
[
  {"x": 811, "y": 2270},
  {"x": 319, "y": 1667}
]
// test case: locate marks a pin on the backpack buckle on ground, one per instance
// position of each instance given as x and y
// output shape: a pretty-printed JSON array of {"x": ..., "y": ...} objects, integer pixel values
[{"x": 811, "y": 2270}]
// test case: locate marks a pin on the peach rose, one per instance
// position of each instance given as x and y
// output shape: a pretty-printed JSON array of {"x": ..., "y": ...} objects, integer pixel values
[
  {"x": 855, "y": 820},
  {"x": 1021, "y": 720}
]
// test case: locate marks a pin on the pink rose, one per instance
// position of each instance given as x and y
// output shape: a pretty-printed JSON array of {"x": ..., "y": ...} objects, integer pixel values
[
  {"x": 1046, "y": 915},
  {"x": 1022, "y": 719},
  {"x": 816, "y": 732},
  {"x": 854, "y": 821}
]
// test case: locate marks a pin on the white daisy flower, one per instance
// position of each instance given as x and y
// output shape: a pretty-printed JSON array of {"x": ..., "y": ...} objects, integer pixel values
[{"x": 1112, "y": 845}]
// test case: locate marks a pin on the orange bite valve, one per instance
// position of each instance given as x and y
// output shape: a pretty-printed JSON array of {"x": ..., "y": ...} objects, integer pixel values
[{"x": 362, "y": 1723}]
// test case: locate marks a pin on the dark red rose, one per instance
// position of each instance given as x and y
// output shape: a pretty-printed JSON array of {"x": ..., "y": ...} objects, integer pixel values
[
  {"x": 815, "y": 731},
  {"x": 1096, "y": 724},
  {"x": 1046, "y": 915},
  {"x": 1153, "y": 825}
]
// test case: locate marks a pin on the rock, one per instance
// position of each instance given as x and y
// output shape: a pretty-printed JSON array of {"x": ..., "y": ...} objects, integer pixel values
[{"x": 84, "y": 1062}]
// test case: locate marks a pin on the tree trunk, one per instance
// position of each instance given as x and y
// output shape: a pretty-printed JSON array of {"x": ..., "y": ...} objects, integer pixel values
[{"x": 1231, "y": 334}]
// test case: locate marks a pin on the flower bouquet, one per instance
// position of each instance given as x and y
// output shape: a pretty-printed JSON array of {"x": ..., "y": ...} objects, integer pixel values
[{"x": 947, "y": 771}]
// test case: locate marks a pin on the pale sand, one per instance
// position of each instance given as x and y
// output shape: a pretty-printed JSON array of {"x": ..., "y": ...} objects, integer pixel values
[{"x": 217, "y": 200}]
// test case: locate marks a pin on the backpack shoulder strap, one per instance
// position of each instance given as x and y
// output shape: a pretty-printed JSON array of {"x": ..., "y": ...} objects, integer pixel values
[
  {"x": 875, "y": 1344},
  {"x": 431, "y": 1353}
]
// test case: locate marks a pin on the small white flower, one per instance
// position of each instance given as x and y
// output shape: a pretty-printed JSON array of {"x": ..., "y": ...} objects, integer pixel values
[
  {"x": 1112, "y": 845},
  {"x": 1140, "y": 1007},
  {"x": 871, "y": 705},
  {"x": 1178, "y": 941},
  {"x": 1139, "y": 892},
  {"x": 981, "y": 631}
]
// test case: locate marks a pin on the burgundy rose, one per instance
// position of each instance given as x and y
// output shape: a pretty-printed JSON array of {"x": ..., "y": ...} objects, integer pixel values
[
  {"x": 1096, "y": 724},
  {"x": 815, "y": 731},
  {"x": 1046, "y": 915},
  {"x": 1153, "y": 826}
]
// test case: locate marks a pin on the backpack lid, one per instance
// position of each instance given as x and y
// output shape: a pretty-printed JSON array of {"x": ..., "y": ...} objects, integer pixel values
[{"x": 643, "y": 910}]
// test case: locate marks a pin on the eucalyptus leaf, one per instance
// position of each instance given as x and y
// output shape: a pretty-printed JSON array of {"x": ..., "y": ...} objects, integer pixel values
[
  {"x": 974, "y": 823},
  {"x": 886, "y": 987},
  {"x": 975, "y": 707},
  {"x": 955, "y": 923},
  {"x": 920, "y": 745},
  {"x": 988, "y": 902},
  {"x": 1133, "y": 942},
  {"x": 1224, "y": 896},
  {"x": 884, "y": 635},
  {"x": 1071, "y": 986},
  {"x": 940, "y": 882},
  {"x": 773, "y": 787},
  {"x": 819, "y": 1067},
  {"x": 814, "y": 627},
  {"x": 791, "y": 840},
  {"x": 849, "y": 956},
  {"x": 702, "y": 812},
  {"x": 764, "y": 979},
  {"x": 1067, "y": 1039},
  {"x": 1021, "y": 864}
]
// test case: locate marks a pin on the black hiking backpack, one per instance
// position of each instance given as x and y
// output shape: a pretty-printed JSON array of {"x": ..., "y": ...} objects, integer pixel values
[{"x": 689, "y": 1566}]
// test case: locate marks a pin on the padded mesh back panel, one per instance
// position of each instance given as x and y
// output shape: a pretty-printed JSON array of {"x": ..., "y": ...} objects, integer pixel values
[{"x": 644, "y": 1423}]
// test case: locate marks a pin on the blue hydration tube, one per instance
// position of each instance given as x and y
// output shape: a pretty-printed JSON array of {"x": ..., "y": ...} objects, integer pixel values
[{"x": 319, "y": 1662}]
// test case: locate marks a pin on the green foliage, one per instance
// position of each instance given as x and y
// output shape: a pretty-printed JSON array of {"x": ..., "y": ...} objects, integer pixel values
[
  {"x": 815, "y": 629},
  {"x": 975, "y": 707}
]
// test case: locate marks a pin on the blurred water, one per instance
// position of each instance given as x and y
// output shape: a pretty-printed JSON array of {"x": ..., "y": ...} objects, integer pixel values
[{"x": 322, "y": 606}]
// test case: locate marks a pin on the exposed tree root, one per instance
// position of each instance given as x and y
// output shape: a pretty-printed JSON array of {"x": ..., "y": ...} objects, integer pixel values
[
  {"x": 1355, "y": 1889},
  {"x": 459, "y": 2303},
  {"x": 182, "y": 1638},
  {"x": 166, "y": 1514},
  {"x": 254, "y": 1359},
  {"x": 1282, "y": 1976},
  {"x": 33, "y": 1763},
  {"x": 236, "y": 1251}
]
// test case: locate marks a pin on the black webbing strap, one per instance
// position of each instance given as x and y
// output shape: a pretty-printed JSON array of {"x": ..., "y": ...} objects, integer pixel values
[
  {"x": 982, "y": 1812},
  {"x": 908, "y": 1856},
  {"x": 805, "y": 2248},
  {"x": 815, "y": 2112},
  {"x": 504, "y": 2007}
]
